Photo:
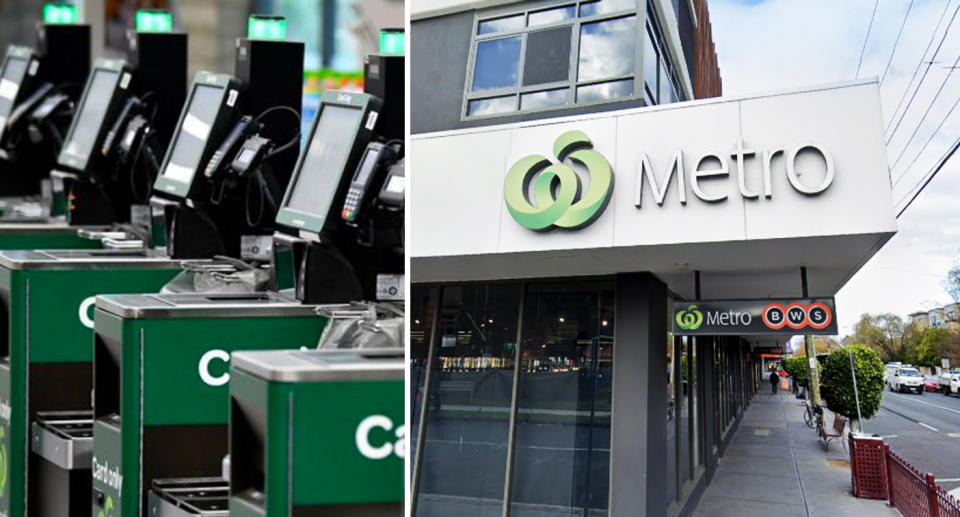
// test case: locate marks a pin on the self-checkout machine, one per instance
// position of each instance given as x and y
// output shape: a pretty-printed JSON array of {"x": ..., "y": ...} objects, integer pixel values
[
  {"x": 342, "y": 194},
  {"x": 39, "y": 88},
  {"x": 61, "y": 441},
  {"x": 122, "y": 122},
  {"x": 54, "y": 70},
  {"x": 177, "y": 344},
  {"x": 46, "y": 299},
  {"x": 323, "y": 432}
]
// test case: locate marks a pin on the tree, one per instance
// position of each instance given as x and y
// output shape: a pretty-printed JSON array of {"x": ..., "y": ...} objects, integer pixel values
[
  {"x": 951, "y": 284},
  {"x": 887, "y": 334},
  {"x": 837, "y": 381},
  {"x": 932, "y": 346}
]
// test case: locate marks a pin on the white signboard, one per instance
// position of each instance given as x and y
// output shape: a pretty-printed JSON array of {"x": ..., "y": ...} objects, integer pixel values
[{"x": 740, "y": 184}]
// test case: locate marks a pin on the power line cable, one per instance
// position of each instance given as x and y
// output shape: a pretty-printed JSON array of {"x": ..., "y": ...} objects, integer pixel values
[
  {"x": 919, "y": 64},
  {"x": 867, "y": 38},
  {"x": 925, "y": 144},
  {"x": 927, "y": 112},
  {"x": 896, "y": 42},
  {"x": 932, "y": 174}
]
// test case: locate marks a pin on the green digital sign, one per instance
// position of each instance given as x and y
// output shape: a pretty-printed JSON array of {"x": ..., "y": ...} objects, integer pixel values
[
  {"x": 153, "y": 20},
  {"x": 60, "y": 14},
  {"x": 392, "y": 42},
  {"x": 267, "y": 27}
]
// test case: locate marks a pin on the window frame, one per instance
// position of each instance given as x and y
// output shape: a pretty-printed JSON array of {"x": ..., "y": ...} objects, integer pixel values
[{"x": 572, "y": 82}]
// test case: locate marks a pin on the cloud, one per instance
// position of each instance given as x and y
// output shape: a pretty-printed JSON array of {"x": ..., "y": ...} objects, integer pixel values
[{"x": 779, "y": 44}]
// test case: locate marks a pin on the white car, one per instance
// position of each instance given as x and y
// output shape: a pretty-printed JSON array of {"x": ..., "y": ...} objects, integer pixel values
[
  {"x": 950, "y": 382},
  {"x": 906, "y": 379}
]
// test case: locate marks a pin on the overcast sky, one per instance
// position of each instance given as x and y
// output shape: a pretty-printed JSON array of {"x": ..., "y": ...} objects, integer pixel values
[{"x": 776, "y": 44}]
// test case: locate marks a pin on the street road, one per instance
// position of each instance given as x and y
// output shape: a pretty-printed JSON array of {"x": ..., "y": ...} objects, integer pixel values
[{"x": 924, "y": 430}]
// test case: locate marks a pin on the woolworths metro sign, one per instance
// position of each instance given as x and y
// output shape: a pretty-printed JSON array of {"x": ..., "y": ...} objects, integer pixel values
[
  {"x": 755, "y": 317},
  {"x": 542, "y": 195}
]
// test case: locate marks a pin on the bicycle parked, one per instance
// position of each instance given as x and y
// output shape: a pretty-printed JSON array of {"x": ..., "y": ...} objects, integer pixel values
[{"x": 813, "y": 415}]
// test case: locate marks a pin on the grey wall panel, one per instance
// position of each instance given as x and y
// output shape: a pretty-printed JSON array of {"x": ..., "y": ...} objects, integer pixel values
[
  {"x": 639, "y": 396},
  {"x": 439, "y": 48}
]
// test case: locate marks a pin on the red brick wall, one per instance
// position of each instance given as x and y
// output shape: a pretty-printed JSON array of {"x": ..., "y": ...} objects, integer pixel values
[{"x": 706, "y": 71}]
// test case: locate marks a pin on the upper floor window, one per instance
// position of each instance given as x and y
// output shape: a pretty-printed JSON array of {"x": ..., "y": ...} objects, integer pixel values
[
  {"x": 559, "y": 55},
  {"x": 661, "y": 84}
]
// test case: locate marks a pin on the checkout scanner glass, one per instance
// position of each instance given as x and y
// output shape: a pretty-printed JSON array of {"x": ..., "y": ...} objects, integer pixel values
[
  {"x": 192, "y": 135},
  {"x": 13, "y": 73},
  {"x": 317, "y": 182},
  {"x": 87, "y": 123}
]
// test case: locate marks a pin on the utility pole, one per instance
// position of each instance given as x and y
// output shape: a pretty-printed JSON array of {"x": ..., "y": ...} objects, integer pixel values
[{"x": 811, "y": 349}]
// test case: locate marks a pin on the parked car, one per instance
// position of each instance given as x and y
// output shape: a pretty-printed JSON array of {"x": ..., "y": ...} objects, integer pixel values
[
  {"x": 950, "y": 382},
  {"x": 931, "y": 383},
  {"x": 906, "y": 379}
]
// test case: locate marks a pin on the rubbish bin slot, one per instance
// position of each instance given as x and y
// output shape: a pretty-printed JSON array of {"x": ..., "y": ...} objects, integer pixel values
[
  {"x": 106, "y": 377},
  {"x": 247, "y": 451}
]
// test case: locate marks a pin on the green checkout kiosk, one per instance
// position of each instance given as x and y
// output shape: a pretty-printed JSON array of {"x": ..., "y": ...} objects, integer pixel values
[
  {"x": 158, "y": 353},
  {"x": 46, "y": 370}
]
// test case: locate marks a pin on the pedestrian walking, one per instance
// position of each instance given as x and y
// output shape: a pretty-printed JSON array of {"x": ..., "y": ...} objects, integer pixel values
[{"x": 774, "y": 380}]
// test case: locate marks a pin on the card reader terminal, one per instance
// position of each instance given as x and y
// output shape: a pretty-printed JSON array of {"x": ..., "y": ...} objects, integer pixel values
[{"x": 374, "y": 157}]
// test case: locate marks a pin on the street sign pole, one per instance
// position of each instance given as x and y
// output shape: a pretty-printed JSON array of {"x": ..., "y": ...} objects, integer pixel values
[
  {"x": 814, "y": 375},
  {"x": 856, "y": 393},
  {"x": 811, "y": 349}
]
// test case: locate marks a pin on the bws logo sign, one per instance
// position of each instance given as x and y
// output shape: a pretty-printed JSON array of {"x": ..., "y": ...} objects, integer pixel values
[
  {"x": 558, "y": 200},
  {"x": 796, "y": 316}
]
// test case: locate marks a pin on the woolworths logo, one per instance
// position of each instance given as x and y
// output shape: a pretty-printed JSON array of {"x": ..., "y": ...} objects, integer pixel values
[
  {"x": 558, "y": 200},
  {"x": 690, "y": 319}
]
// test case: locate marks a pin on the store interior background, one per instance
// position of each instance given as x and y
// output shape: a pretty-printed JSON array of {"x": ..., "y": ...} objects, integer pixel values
[{"x": 337, "y": 33}]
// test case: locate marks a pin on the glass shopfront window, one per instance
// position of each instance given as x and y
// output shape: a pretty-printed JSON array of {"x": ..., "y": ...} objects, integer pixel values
[
  {"x": 464, "y": 456},
  {"x": 671, "y": 470},
  {"x": 561, "y": 374},
  {"x": 684, "y": 408},
  {"x": 423, "y": 304},
  {"x": 562, "y": 443}
]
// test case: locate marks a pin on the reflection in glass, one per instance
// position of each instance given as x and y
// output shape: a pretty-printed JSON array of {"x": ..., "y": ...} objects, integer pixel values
[
  {"x": 562, "y": 442},
  {"x": 497, "y": 64},
  {"x": 607, "y": 48},
  {"x": 605, "y": 91},
  {"x": 695, "y": 404},
  {"x": 422, "y": 307},
  {"x": 606, "y": 6},
  {"x": 546, "y": 99},
  {"x": 508, "y": 23},
  {"x": 667, "y": 93},
  {"x": 671, "y": 470},
  {"x": 547, "y": 56},
  {"x": 492, "y": 106},
  {"x": 552, "y": 15},
  {"x": 463, "y": 462},
  {"x": 683, "y": 412},
  {"x": 650, "y": 61}
]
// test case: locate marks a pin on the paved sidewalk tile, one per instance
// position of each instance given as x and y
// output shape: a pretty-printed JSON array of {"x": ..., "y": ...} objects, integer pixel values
[{"x": 776, "y": 465}]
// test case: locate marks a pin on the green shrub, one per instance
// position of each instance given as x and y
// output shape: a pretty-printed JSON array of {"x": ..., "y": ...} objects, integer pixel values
[
  {"x": 798, "y": 369},
  {"x": 837, "y": 381}
]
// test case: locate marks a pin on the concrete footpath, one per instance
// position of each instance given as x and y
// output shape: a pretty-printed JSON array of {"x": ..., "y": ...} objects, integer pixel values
[{"x": 776, "y": 466}]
